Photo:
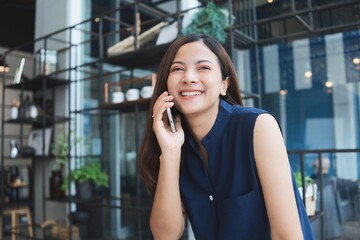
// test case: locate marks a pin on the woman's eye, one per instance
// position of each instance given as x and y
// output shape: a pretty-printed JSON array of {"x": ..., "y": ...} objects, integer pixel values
[
  {"x": 174, "y": 69},
  {"x": 204, "y": 68}
]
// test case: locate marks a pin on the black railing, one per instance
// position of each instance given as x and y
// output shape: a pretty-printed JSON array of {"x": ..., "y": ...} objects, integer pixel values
[{"x": 345, "y": 187}]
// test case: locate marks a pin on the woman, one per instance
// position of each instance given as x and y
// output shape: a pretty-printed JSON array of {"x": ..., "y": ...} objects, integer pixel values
[{"x": 226, "y": 166}]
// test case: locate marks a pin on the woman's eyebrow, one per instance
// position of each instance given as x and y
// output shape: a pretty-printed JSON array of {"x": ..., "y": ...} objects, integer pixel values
[
  {"x": 204, "y": 61},
  {"x": 200, "y": 61},
  {"x": 178, "y": 62}
]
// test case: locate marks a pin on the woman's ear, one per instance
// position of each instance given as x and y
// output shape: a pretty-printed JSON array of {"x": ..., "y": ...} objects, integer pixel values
[{"x": 224, "y": 85}]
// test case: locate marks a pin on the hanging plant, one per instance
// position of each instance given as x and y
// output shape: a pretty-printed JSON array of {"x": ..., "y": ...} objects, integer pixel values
[{"x": 210, "y": 20}]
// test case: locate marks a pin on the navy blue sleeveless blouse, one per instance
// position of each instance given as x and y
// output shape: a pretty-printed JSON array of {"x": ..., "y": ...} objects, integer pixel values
[{"x": 226, "y": 201}]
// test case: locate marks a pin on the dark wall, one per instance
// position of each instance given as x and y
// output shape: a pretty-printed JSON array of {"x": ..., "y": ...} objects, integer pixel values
[{"x": 17, "y": 23}]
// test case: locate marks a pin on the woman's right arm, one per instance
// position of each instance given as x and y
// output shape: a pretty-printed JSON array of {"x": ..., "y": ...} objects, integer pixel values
[{"x": 167, "y": 220}]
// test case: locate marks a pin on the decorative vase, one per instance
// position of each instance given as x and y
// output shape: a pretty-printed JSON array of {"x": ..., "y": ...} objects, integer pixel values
[
  {"x": 56, "y": 180},
  {"x": 84, "y": 190},
  {"x": 14, "y": 112},
  {"x": 14, "y": 150}
]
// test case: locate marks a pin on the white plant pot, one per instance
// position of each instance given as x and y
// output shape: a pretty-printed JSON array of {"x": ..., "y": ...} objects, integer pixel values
[{"x": 310, "y": 198}]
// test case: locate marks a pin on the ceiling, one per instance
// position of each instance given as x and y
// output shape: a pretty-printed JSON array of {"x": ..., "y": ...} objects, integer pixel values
[
  {"x": 17, "y": 23},
  {"x": 17, "y": 20}
]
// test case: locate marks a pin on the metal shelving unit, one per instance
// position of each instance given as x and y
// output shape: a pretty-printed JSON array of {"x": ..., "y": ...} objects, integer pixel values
[{"x": 34, "y": 85}]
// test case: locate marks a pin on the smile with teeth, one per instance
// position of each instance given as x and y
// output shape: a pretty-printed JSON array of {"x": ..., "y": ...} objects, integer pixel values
[{"x": 193, "y": 93}]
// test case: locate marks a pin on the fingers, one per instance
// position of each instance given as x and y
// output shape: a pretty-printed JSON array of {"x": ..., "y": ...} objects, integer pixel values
[{"x": 164, "y": 101}]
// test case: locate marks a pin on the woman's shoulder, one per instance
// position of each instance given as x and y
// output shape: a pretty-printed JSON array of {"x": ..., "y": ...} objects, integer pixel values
[
  {"x": 235, "y": 109},
  {"x": 243, "y": 113},
  {"x": 238, "y": 110},
  {"x": 249, "y": 110}
]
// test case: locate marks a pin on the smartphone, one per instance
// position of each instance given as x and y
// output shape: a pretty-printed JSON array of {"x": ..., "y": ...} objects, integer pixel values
[{"x": 171, "y": 120}]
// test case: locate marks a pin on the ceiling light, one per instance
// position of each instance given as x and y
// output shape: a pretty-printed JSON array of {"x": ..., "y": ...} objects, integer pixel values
[
  {"x": 308, "y": 74},
  {"x": 356, "y": 60},
  {"x": 283, "y": 92},
  {"x": 328, "y": 84}
]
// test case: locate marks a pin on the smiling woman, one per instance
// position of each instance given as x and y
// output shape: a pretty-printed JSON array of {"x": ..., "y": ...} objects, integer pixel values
[{"x": 219, "y": 167}]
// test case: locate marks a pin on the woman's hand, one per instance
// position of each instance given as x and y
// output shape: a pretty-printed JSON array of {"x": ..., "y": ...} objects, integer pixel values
[{"x": 168, "y": 141}]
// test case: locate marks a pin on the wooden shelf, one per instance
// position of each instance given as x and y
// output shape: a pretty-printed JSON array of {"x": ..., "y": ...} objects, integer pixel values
[
  {"x": 142, "y": 58},
  {"x": 19, "y": 185}
]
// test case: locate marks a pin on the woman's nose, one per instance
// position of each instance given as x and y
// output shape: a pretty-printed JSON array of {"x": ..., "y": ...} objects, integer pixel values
[{"x": 190, "y": 78}]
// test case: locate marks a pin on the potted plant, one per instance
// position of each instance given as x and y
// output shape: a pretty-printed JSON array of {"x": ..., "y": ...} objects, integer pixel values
[
  {"x": 87, "y": 178},
  {"x": 298, "y": 179},
  {"x": 211, "y": 20},
  {"x": 60, "y": 151},
  {"x": 310, "y": 192}
]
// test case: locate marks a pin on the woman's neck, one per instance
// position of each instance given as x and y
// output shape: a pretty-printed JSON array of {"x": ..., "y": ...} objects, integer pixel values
[{"x": 201, "y": 124}]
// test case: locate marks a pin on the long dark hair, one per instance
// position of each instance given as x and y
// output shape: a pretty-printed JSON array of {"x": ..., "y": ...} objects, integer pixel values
[{"x": 149, "y": 152}]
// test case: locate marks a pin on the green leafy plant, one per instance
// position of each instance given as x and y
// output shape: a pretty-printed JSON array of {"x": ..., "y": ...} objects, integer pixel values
[
  {"x": 210, "y": 20},
  {"x": 60, "y": 150},
  {"x": 91, "y": 172},
  {"x": 298, "y": 179}
]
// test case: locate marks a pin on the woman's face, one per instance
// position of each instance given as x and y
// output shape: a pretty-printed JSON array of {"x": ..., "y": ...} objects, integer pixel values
[{"x": 195, "y": 79}]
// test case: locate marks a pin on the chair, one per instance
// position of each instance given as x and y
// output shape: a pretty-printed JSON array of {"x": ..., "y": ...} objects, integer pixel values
[
  {"x": 347, "y": 196},
  {"x": 333, "y": 227},
  {"x": 15, "y": 213}
]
